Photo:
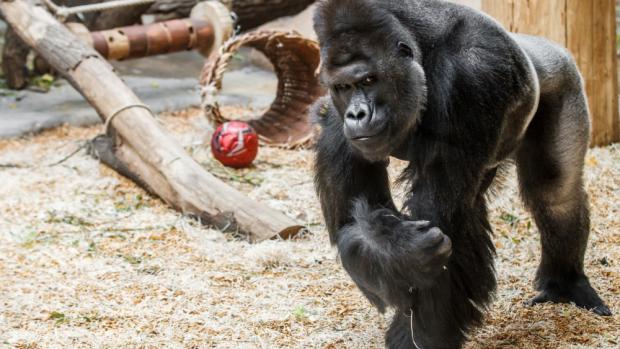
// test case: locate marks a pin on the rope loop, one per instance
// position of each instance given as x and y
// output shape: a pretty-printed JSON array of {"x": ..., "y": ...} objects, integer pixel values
[{"x": 108, "y": 121}]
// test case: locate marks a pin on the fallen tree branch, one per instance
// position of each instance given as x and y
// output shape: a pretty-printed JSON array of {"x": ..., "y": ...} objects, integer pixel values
[{"x": 142, "y": 145}]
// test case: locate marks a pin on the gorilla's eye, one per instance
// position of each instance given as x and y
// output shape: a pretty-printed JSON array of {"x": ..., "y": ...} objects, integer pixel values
[
  {"x": 369, "y": 81},
  {"x": 341, "y": 87},
  {"x": 404, "y": 49}
]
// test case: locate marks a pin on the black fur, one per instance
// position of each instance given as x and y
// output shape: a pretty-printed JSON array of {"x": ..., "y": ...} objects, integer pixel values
[{"x": 448, "y": 89}]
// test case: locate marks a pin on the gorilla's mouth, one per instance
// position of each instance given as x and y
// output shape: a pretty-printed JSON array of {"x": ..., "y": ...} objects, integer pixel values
[
  {"x": 364, "y": 138},
  {"x": 369, "y": 134},
  {"x": 372, "y": 145}
]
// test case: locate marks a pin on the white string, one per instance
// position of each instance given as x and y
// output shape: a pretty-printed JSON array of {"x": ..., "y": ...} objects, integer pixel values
[{"x": 411, "y": 324}]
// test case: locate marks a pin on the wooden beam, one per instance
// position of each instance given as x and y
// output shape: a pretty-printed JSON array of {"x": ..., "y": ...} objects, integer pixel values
[
  {"x": 588, "y": 29},
  {"x": 502, "y": 10},
  {"x": 604, "y": 74},
  {"x": 148, "y": 150},
  {"x": 541, "y": 17}
]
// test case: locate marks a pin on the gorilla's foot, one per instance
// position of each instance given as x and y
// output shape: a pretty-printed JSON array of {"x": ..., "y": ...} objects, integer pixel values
[{"x": 579, "y": 292}]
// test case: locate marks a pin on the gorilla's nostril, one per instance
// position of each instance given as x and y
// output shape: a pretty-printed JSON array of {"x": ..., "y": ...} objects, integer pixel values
[{"x": 357, "y": 115}]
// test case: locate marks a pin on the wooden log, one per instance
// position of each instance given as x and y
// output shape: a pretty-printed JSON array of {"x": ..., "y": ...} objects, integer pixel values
[
  {"x": 124, "y": 160},
  {"x": 117, "y": 18},
  {"x": 14, "y": 56},
  {"x": 251, "y": 13},
  {"x": 15, "y": 52},
  {"x": 147, "y": 149},
  {"x": 105, "y": 19},
  {"x": 149, "y": 40},
  {"x": 588, "y": 30}
]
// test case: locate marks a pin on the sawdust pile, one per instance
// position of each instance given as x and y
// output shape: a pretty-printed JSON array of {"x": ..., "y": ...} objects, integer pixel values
[{"x": 88, "y": 260}]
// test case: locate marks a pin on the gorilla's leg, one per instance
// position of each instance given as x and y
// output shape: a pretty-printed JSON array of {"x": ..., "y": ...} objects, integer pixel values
[
  {"x": 550, "y": 166},
  {"x": 399, "y": 334},
  {"x": 445, "y": 312}
]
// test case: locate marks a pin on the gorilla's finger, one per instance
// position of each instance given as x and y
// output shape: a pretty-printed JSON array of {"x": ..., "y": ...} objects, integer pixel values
[{"x": 432, "y": 239}]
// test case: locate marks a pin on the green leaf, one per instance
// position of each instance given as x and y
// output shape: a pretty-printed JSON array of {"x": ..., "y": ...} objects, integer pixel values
[
  {"x": 30, "y": 239},
  {"x": 300, "y": 313},
  {"x": 43, "y": 82},
  {"x": 132, "y": 260},
  {"x": 58, "y": 316},
  {"x": 509, "y": 218}
]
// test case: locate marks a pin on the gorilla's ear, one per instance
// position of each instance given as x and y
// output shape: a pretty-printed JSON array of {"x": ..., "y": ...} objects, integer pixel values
[{"x": 405, "y": 50}]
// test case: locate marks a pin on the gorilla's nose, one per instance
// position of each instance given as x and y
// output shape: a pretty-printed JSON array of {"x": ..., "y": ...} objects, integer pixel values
[
  {"x": 358, "y": 113},
  {"x": 357, "y": 119},
  {"x": 357, "y": 123}
]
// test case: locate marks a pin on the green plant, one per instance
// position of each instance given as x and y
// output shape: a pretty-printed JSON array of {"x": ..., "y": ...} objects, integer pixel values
[
  {"x": 300, "y": 313},
  {"x": 43, "y": 82},
  {"x": 58, "y": 316},
  {"x": 509, "y": 219}
]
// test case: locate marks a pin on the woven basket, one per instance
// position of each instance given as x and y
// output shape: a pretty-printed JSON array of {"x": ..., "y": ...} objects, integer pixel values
[{"x": 296, "y": 61}]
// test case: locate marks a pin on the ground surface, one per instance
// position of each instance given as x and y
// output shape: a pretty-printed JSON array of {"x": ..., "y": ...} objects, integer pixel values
[
  {"x": 164, "y": 83},
  {"x": 88, "y": 260}
]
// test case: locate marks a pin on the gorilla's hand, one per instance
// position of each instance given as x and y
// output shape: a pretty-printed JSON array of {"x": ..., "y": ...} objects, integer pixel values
[
  {"x": 428, "y": 249},
  {"x": 388, "y": 256}
]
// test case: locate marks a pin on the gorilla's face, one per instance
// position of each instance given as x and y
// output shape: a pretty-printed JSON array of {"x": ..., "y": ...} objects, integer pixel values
[{"x": 379, "y": 91}]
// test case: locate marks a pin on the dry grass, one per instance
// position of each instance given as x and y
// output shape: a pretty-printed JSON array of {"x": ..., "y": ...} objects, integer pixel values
[{"x": 89, "y": 260}]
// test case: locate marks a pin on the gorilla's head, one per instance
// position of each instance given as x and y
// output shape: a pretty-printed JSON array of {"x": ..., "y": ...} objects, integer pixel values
[{"x": 371, "y": 65}]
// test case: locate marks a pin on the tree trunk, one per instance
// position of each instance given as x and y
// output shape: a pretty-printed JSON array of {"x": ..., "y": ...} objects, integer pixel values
[
  {"x": 106, "y": 19},
  {"x": 251, "y": 13},
  {"x": 142, "y": 145},
  {"x": 14, "y": 57},
  {"x": 117, "y": 18}
]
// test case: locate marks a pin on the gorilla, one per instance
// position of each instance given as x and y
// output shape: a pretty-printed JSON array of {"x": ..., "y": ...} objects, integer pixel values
[{"x": 447, "y": 89}]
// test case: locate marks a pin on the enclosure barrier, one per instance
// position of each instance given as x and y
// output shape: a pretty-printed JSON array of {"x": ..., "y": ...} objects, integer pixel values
[{"x": 588, "y": 29}]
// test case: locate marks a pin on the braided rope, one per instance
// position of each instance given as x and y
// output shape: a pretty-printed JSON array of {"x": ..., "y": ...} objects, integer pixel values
[{"x": 295, "y": 60}]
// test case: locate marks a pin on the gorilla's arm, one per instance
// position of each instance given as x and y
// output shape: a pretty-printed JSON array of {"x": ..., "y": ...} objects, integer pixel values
[
  {"x": 343, "y": 176},
  {"x": 386, "y": 254}
]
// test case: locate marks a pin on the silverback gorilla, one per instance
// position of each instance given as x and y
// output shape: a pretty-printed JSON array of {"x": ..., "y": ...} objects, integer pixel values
[{"x": 446, "y": 88}]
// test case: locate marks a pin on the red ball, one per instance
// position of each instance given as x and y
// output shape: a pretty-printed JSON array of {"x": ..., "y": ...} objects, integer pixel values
[{"x": 235, "y": 144}]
